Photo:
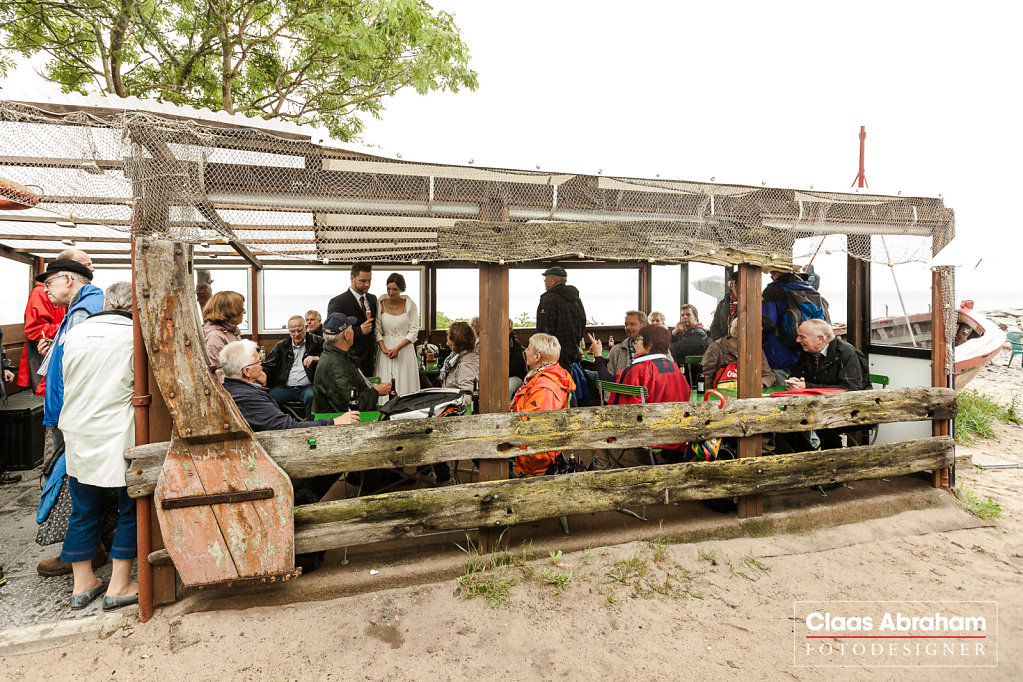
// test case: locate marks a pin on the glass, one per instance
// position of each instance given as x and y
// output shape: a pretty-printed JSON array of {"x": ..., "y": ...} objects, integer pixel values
[
  {"x": 606, "y": 293},
  {"x": 292, "y": 291},
  {"x": 831, "y": 265},
  {"x": 900, "y": 295},
  {"x": 706, "y": 288},
  {"x": 13, "y": 280},
  {"x": 46, "y": 282},
  {"x": 666, "y": 291},
  {"x": 458, "y": 295}
]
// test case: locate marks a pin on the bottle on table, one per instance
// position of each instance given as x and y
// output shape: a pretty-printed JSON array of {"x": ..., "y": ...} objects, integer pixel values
[
  {"x": 394, "y": 391},
  {"x": 475, "y": 396},
  {"x": 610, "y": 342},
  {"x": 353, "y": 402}
]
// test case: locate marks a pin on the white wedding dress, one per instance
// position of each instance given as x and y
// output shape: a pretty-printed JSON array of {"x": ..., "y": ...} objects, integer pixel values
[{"x": 391, "y": 329}]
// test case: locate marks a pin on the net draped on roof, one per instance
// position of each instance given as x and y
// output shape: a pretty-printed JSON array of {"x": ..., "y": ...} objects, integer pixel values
[{"x": 283, "y": 198}]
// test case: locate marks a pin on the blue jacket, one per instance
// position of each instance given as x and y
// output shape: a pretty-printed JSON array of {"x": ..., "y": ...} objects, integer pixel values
[
  {"x": 89, "y": 299},
  {"x": 779, "y": 355}
]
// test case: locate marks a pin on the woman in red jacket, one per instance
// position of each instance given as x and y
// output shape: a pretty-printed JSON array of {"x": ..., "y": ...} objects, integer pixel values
[{"x": 546, "y": 387}]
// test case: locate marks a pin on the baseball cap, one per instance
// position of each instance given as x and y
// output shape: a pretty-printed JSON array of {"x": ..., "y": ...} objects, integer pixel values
[
  {"x": 556, "y": 270},
  {"x": 337, "y": 323},
  {"x": 65, "y": 265}
]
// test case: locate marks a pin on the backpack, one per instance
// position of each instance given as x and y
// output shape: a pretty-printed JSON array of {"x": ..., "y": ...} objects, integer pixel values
[
  {"x": 429, "y": 402},
  {"x": 800, "y": 305}
]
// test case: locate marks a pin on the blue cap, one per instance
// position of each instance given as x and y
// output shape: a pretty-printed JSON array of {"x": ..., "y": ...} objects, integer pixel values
[{"x": 337, "y": 323}]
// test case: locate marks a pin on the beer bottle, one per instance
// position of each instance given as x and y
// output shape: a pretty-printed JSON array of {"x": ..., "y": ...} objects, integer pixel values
[
  {"x": 476, "y": 396},
  {"x": 610, "y": 342},
  {"x": 394, "y": 391},
  {"x": 353, "y": 402}
]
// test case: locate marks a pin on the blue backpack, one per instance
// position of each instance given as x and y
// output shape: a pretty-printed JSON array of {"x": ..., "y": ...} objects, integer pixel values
[{"x": 801, "y": 304}]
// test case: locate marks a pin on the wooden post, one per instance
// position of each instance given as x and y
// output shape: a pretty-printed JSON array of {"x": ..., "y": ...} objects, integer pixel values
[
  {"x": 493, "y": 370},
  {"x": 254, "y": 305},
  {"x": 939, "y": 373},
  {"x": 646, "y": 294},
  {"x": 858, "y": 304},
  {"x": 749, "y": 368}
]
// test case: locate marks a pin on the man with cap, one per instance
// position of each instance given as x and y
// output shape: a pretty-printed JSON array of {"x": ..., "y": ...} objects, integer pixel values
[
  {"x": 338, "y": 379},
  {"x": 42, "y": 320},
  {"x": 67, "y": 283},
  {"x": 561, "y": 314}
]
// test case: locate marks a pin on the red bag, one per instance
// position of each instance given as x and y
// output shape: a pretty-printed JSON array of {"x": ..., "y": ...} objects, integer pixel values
[{"x": 807, "y": 391}]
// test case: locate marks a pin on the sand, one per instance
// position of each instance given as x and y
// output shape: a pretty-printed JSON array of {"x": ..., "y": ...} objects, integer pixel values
[{"x": 687, "y": 616}]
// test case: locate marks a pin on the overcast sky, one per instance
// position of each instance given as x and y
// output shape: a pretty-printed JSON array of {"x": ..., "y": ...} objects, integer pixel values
[{"x": 745, "y": 92}]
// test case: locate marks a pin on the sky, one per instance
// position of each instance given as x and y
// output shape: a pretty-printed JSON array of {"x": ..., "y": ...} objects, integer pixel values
[
  {"x": 750, "y": 93},
  {"x": 747, "y": 92}
]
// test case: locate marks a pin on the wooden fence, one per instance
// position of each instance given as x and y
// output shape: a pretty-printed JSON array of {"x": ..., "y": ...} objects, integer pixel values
[{"x": 303, "y": 453}]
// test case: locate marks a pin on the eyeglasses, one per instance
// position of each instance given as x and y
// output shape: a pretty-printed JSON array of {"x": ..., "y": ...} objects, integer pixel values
[{"x": 46, "y": 283}]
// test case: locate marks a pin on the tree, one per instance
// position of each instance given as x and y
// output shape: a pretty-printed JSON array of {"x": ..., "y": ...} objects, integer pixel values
[{"x": 322, "y": 62}]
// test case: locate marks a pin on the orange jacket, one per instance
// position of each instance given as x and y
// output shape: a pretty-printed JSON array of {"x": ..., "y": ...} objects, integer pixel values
[{"x": 546, "y": 390}]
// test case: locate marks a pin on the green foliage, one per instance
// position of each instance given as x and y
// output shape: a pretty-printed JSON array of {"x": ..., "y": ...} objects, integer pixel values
[
  {"x": 444, "y": 322},
  {"x": 524, "y": 320},
  {"x": 324, "y": 62},
  {"x": 555, "y": 557},
  {"x": 977, "y": 414},
  {"x": 557, "y": 579},
  {"x": 984, "y": 509}
]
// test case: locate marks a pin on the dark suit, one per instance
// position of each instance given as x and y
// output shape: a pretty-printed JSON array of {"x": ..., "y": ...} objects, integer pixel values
[{"x": 365, "y": 345}]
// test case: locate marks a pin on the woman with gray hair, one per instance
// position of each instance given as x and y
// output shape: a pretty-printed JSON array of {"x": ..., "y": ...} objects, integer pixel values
[
  {"x": 98, "y": 423},
  {"x": 546, "y": 387}
]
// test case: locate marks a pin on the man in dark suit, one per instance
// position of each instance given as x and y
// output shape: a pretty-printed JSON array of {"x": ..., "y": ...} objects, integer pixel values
[{"x": 357, "y": 302}]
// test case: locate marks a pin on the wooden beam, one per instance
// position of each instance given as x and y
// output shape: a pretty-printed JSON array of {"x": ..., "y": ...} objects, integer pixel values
[
  {"x": 69, "y": 235},
  {"x": 750, "y": 352},
  {"x": 504, "y": 435},
  {"x": 493, "y": 291},
  {"x": 376, "y": 518},
  {"x": 939, "y": 373}
]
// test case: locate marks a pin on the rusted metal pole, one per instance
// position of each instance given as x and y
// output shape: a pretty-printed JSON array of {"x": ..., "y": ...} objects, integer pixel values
[
  {"x": 861, "y": 177},
  {"x": 141, "y": 401}
]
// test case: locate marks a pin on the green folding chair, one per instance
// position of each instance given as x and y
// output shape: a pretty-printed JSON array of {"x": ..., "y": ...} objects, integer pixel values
[
  {"x": 1016, "y": 339},
  {"x": 882, "y": 381},
  {"x": 693, "y": 370}
]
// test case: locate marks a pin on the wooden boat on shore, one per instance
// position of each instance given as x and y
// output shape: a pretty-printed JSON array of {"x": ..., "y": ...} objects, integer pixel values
[{"x": 978, "y": 340}]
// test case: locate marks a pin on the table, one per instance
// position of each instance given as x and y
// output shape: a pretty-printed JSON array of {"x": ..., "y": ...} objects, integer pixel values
[
  {"x": 365, "y": 417},
  {"x": 729, "y": 393}
]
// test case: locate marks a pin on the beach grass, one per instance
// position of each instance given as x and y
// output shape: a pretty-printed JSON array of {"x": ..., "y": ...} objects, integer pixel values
[{"x": 977, "y": 415}]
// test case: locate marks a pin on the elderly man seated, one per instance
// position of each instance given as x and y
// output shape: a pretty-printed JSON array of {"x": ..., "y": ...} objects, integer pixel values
[
  {"x": 242, "y": 372},
  {"x": 291, "y": 365},
  {"x": 338, "y": 379},
  {"x": 825, "y": 362}
]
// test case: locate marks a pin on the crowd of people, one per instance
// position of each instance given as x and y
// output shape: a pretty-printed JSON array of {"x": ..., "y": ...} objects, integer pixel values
[{"x": 79, "y": 349}]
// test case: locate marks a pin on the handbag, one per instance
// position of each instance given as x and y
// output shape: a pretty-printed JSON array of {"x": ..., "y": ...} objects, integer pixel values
[{"x": 53, "y": 529}]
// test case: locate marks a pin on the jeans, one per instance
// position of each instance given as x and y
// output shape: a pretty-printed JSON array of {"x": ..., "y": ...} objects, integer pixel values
[
  {"x": 83, "y": 528},
  {"x": 295, "y": 394}
]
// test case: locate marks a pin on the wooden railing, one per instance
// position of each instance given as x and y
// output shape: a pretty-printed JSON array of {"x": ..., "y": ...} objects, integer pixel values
[{"x": 309, "y": 452}]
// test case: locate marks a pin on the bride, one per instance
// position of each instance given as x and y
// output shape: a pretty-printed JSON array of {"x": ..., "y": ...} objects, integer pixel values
[{"x": 397, "y": 330}]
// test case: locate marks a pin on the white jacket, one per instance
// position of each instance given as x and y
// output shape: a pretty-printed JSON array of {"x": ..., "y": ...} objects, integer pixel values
[{"x": 98, "y": 420}]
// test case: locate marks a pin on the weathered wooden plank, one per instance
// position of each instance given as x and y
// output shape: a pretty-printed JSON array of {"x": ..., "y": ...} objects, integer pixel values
[
  {"x": 500, "y": 436},
  {"x": 199, "y": 405},
  {"x": 502, "y": 503}
]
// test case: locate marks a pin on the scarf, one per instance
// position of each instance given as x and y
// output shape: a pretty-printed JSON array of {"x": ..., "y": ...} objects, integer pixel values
[
  {"x": 525, "y": 382},
  {"x": 733, "y": 307}
]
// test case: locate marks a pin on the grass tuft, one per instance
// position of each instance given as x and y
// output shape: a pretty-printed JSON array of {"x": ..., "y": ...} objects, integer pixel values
[
  {"x": 984, "y": 509},
  {"x": 977, "y": 414}
]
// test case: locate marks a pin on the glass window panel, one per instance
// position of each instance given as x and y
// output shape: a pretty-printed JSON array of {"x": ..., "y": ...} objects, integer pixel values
[
  {"x": 900, "y": 296},
  {"x": 458, "y": 295},
  {"x": 706, "y": 288},
  {"x": 293, "y": 291},
  {"x": 14, "y": 282},
  {"x": 606, "y": 293},
  {"x": 666, "y": 291}
]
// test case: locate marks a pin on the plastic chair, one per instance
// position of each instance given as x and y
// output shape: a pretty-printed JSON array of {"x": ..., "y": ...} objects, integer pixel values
[
  {"x": 693, "y": 370},
  {"x": 640, "y": 392},
  {"x": 1016, "y": 339}
]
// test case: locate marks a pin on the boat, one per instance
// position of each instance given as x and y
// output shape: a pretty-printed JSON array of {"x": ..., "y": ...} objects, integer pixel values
[
  {"x": 15, "y": 196},
  {"x": 977, "y": 341}
]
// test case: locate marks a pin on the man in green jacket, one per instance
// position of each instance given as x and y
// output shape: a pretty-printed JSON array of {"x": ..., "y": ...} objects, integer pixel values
[{"x": 338, "y": 379}]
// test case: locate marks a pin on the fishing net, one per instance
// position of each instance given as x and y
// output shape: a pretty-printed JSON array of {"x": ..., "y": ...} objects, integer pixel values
[{"x": 287, "y": 199}]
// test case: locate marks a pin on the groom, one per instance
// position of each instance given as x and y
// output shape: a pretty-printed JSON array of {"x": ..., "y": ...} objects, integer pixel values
[{"x": 357, "y": 302}]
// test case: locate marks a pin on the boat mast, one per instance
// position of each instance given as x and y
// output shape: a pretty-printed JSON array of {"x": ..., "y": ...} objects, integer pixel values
[{"x": 861, "y": 181}]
